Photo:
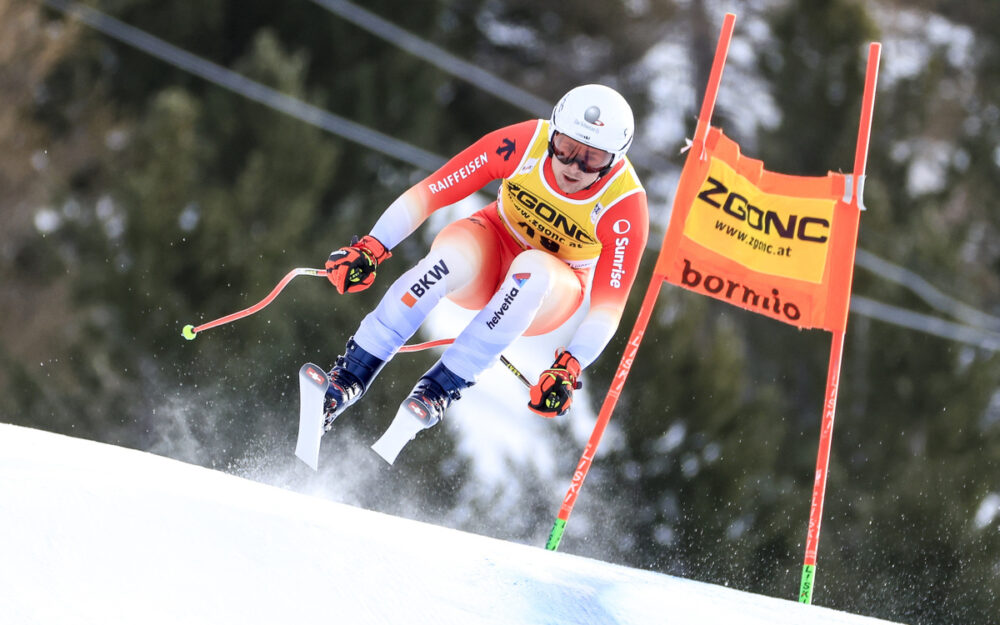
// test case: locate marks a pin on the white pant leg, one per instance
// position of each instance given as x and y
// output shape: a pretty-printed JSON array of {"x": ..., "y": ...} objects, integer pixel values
[
  {"x": 530, "y": 279},
  {"x": 410, "y": 300}
]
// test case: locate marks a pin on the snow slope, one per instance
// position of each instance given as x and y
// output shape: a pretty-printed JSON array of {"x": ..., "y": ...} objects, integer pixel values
[{"x": 92, "y": 533}]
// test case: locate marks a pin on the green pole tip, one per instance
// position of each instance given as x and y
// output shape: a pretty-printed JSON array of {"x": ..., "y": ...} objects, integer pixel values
[
  {"x": 808, "y": 583},
  {"x": 188, "y": 332},
  {"x": 555, "y": 537}
]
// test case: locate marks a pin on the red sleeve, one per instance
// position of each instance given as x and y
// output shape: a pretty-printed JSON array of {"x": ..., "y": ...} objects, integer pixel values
[
  {"x": 494, "y": 156},
  {"x": 622, "y": 231}
]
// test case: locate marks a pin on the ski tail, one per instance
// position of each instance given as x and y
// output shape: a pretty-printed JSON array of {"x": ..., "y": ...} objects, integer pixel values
[{"x": 313, "y": 382}]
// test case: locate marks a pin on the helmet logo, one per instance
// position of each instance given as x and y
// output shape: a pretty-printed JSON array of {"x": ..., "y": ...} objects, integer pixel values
[{"x": 593, "y": 115}]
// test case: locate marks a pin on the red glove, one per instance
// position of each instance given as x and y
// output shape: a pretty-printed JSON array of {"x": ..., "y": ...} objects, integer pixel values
[
  {"x": 352, "y": 268},
  {"x": 553, "y": 393}
]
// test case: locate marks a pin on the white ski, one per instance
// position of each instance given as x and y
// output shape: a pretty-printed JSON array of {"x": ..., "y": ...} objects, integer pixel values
[
  {"x": 313, "y": 383},
  {"x": 402, "y": 430}
]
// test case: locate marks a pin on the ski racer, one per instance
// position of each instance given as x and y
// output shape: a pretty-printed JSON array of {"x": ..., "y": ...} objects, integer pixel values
[{"x": 569, "y": 205}]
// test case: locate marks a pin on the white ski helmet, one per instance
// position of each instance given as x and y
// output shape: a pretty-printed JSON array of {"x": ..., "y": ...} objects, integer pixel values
[{"x": 597, "y": 116}]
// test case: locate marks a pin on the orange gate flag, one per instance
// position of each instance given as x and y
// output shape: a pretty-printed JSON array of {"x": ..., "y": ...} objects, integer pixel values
[{"x": 778, "y": 245}]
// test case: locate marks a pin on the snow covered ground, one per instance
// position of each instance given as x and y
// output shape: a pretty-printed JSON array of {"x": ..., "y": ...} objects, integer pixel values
[{"x": 92, "y": 533}]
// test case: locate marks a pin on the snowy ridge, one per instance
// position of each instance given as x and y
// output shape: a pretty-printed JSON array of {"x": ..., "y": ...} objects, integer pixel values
[{"x": 92, "y": 533}]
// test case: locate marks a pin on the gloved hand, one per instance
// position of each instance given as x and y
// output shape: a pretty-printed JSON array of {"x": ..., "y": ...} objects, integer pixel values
[
  {"x": 352, "y": 269},
  {"x": 553, "y": 393}
]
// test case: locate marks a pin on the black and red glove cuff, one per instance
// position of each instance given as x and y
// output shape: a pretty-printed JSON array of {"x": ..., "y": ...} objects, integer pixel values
[
  {"x": 373, "y": 247},
  {"x": 568, "y": 362}
]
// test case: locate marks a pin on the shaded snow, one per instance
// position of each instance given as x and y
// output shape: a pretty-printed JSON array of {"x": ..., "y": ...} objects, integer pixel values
[{"x": 91, "y": 533}]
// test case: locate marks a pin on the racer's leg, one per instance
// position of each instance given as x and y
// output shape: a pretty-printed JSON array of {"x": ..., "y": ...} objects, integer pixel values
[
  {"x": 467, "y": 259},
  {"x": 538, "y": 294}
]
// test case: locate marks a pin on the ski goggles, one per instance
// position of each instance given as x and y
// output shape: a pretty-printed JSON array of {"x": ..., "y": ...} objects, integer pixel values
[{"x": 568, "y": 151}]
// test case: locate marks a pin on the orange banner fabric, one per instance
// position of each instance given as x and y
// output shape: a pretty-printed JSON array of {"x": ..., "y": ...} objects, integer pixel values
[{"x": 778, "y": 245}]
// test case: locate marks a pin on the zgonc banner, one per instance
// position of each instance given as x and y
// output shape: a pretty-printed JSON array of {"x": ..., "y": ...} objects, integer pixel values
[{"x": 778, "y": 245}]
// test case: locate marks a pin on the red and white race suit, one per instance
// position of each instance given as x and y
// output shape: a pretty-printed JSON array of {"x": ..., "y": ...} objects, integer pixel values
[{"x": 523, "y": 261}]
